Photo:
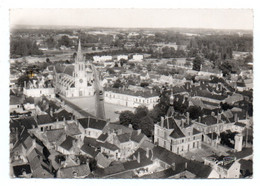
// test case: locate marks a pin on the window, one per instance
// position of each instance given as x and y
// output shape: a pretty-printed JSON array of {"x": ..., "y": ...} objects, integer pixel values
[
  {"x": 182, "y": 140},
  {"x": 193, "y": 144},
  {"x": 164, "y": 144},
  {"x": 193, "y": 137}
]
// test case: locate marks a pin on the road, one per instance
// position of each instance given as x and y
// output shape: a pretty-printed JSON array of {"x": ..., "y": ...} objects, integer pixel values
[{"x": 99, "y": 96}]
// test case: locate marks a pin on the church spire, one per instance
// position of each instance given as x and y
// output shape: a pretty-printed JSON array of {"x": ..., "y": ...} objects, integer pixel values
[{"x": 79, "y": 57}]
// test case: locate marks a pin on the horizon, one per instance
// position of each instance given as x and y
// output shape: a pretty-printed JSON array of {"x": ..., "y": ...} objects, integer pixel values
[
  {"x": 218, "y": 19},
  {"x": 15, "y": 26}
]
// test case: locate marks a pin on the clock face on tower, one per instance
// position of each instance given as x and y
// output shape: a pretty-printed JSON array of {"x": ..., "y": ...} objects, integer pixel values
[{"x": 81, "y": 80}]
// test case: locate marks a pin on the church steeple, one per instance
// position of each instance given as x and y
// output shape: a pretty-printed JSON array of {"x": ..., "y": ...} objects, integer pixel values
[{"x": 79, "y": 57}]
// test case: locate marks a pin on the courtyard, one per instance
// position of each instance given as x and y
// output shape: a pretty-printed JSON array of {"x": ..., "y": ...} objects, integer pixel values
[{"x": 88, "y": 104}]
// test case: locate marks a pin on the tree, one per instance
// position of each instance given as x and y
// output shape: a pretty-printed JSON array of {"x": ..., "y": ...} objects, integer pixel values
[
  {"x": 197, "y": 62},
  {"x": 141, "y": 111},
  {"x": 146, "y": 125},
  {"x": 111, "y": 71},
  {"x": 64, "y": 40},
  {"x": 117, "y": 84},
  {"x": 144, "y": 84},
  {"x": 226, "y": 68},
  {"x": 195, "y": 112},
  {"x": 22, "y": 79},
  {"x": 126, "y": 118}
]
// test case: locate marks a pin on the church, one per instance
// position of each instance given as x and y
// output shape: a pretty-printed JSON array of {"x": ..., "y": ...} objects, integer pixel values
[{"x": 75, "y": 80}]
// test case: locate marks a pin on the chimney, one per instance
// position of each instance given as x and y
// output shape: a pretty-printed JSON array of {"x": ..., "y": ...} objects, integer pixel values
[
  {"x": 130, "y": 126},
  {"x": 138, "y": 157},
  {"x": 138, "y": 131},
  {"x": 147, "y": 152},
  {"x": 188, "y": 117},
  {"x": 199, "y": 119},
  {"x": 16, "y": 134},
  {"x": 34, "y": 143},
  {"x": 151, "y": 154},
  {"x": 212, "y": 113},
  {"x": 51, "y": 112},
  {"x": 168, "y": 123},
  {"x": 182, "y": 123},
  {"x": 235, "y": 117},
  {"x": 162, "y": 120},
  {"x": 74, "y": 143},
  {"x": 186, "y": 165},
  {"x": 219, "y": 118}
]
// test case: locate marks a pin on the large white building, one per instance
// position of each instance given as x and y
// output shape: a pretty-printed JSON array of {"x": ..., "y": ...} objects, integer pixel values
[
  {"x": 131, "y": 98},
  {"x": 75, "y": 80},
  {"x": 102, "y": 58},
  {"x": 179, "y": 139},
  {"x": 33, "y": 89}
]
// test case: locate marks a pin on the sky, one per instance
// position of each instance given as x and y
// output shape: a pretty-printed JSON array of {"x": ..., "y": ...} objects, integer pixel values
[{"x": 136, "y": 18}]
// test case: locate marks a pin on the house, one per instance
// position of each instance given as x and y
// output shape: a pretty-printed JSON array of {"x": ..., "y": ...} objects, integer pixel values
[
  {"x": 22, "y": 171},
  {"x": 88, "y": 150},
  {"x": 80, "y": 171},
  {"x": 41, "y": 168},
  {"x": 102, "y": 161},
  {"x": 119, "y": 57},
  {"x": 138, "y": 57},
  {"x": 69, "y": 146},
  {"x": 129, "y": 98},
  {"x": 176, "y": 138},
  {"x": 44, "y": 122},
  {"x": 91, "y": 127},
  {"x": 226, "y": 167}
]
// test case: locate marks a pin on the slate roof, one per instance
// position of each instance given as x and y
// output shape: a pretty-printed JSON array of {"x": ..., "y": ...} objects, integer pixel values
[
  {"x": 123, "y": 138},
  {"x": 80, "y": 170},
  {"x": 62, "y": 114},
  {"x": 92, "y": 123},
  {"x": 27, "y": 122},
  {"x": 102, "y": 160},
  {"x": 66, "y": 69},
  {"x": 242, "y": 154},
  {"x": 246, "y": 165},
  {"x": 167, "y": 156},
  {"x": 89, "y": 150},
  {"x": 240, "y": 124},
  {"x": 111, "y": 126},
  {"x": 68, "y": 143},
  {"x": 15, "y": 100},
  {"x": 199, "y": 169},
  {"x": 109, "y": 146},
  {"x": 91, "y": 141},
  {"x": 19, "y": 169},
  {"x": 209, "y": 120},
  {"x": 54, "y": 135},
  {"x": 72, "y": 129},
  {"x": 102, "y": 137},
  {"x": 137, "y": 137},
  {"x": 195, "y": 131},
  {"x": 44, "y": 119},
  {"x": 176, "y": 133}
]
